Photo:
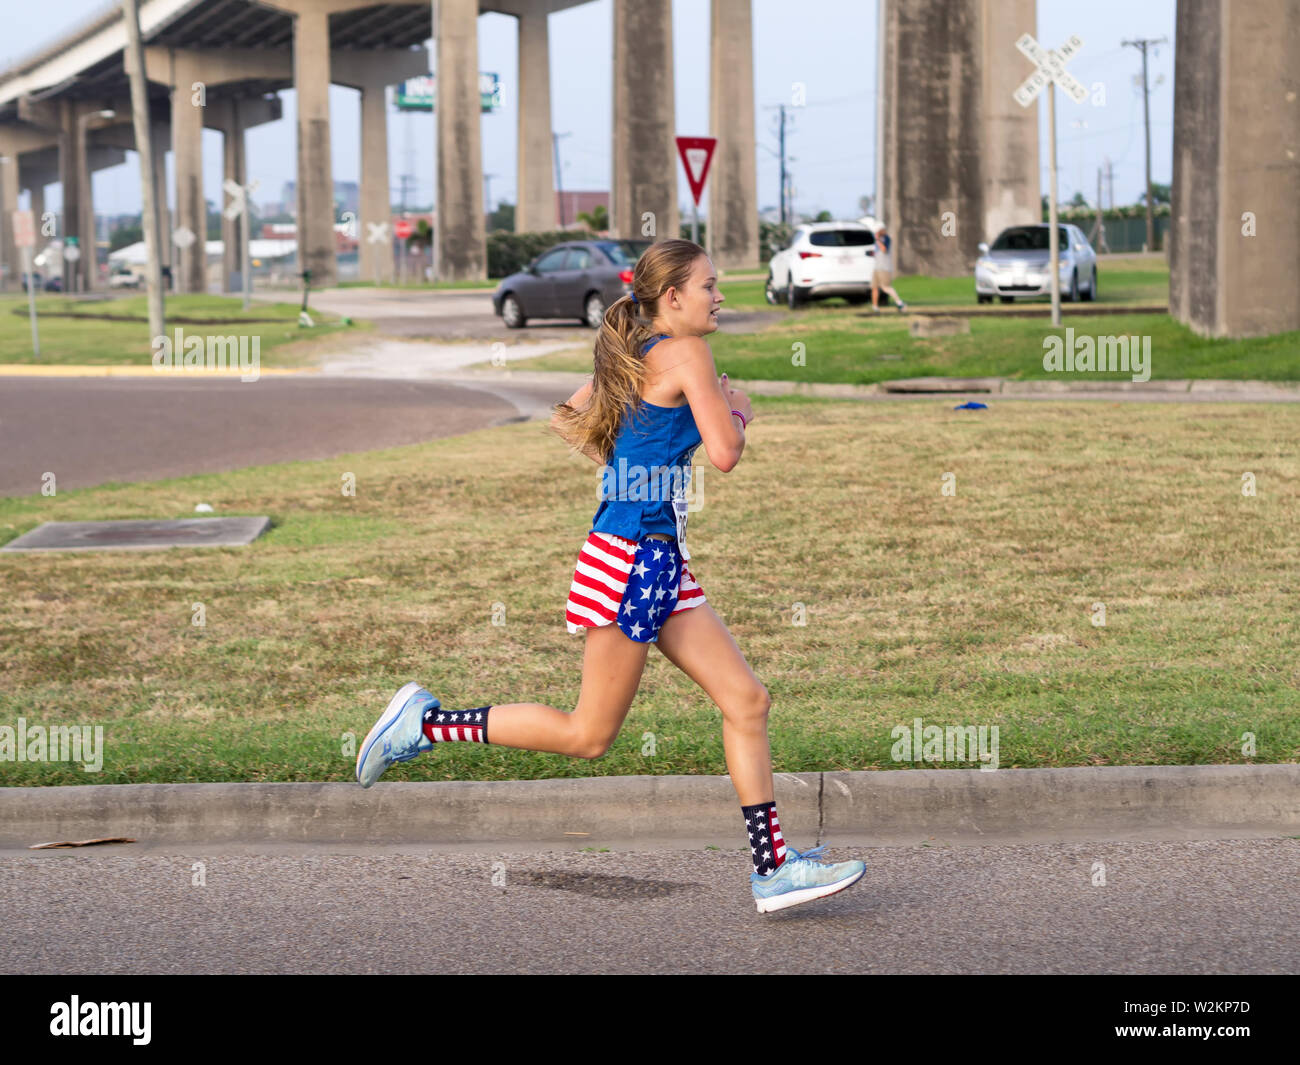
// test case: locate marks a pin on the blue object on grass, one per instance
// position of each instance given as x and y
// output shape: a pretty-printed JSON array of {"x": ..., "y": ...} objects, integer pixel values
[{"x": 972, "y": 405}]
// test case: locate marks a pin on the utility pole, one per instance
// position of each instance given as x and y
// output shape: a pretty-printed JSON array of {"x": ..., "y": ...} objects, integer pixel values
[
  {"x": 784, "y": 179},
  {"x": 786, "y": 211},
  {"x": 144, "y": 149},
  {"x": 559, "y": 180},
  {"x": 1099, "y": 230},
  {"x": 1142, "y": 44}
]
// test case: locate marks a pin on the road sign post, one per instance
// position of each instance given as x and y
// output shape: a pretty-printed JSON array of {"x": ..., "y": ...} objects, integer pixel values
[
  {"x": 240, "y": 205},
  {"x": 183, "y": 237},
  {"x": 25, "y": 238},
  {"x": 402, "y": 229},
  {"x": 696, "y": 154},
  {"x": 378, "y": 235},
  {"x": 1050, "y": 71}
]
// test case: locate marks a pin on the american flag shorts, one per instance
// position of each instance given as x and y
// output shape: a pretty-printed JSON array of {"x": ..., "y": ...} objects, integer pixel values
[{"x": 639, "y": 586}]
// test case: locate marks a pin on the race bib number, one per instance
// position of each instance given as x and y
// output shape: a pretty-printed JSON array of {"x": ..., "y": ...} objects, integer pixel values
[{"x": 680, "y": 513}]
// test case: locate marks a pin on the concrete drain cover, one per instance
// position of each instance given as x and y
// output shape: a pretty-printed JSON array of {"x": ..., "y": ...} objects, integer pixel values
[
  {"x": 602, "y": 886},
  {"x": 140, "y": 535}
]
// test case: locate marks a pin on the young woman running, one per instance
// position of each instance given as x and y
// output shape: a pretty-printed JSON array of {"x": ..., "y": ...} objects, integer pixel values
[{"x": 653, "y": 399}]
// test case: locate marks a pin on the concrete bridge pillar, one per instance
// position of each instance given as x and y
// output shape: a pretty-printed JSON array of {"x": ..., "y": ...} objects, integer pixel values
[
  {"x": 8, "y": 204},
  {"x": 460, "y": 230},
  {"x": 190, "y": 274},
  {"x": 31, "y": 151},
  {"x": 315, "y": 187},
  {"x": 226, "y": 115},
  {"x": 535, "y": 170},
  {"x": 958, "y": 157},
  {"x": 732, "y": 232},
  {"x": 371, "y": 73},
  {"x": 192, "y": 77},
  {"x": 643, "y": 200},
  {"x": 375, "y": 258},
  {"x": 1234, "y": 250},
  {"x": 36, "y": 196},
  {"x": 234, "y": 116},
  {"x": 59, "y": 120}
]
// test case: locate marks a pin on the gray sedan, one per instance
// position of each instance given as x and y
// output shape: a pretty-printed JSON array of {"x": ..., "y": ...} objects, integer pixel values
[
  {"x": 1018, "y": 264},
  {"x": 575, "y": 280}
]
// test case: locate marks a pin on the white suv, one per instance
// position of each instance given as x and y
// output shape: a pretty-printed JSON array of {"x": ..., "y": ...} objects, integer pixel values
[{"x": 824, "y": 259}]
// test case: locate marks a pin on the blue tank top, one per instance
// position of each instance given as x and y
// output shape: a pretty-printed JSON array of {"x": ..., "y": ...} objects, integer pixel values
[{"x": 650, "y": 465}]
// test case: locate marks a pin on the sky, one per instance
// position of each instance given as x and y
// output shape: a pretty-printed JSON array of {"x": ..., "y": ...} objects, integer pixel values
[{"x": 828, "y": 45}]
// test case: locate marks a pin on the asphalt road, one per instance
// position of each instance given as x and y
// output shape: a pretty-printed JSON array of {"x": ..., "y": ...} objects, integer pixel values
[
  {"x": 1218, "y": 906},
  {"x": 88, "y": 431}
]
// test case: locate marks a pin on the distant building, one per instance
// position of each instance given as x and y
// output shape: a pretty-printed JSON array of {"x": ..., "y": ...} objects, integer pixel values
[{"x": 569, "y": 203}]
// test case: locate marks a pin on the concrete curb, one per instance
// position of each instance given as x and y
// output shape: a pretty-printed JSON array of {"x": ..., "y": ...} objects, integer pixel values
[
  {"x": 910, "y": 804},
  {"x": 34, "y": 370}
]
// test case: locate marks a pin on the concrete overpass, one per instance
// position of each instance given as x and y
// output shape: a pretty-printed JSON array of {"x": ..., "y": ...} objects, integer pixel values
[
  {"x": 218, "y": 63},
  {"x": 950, "y": 139}
]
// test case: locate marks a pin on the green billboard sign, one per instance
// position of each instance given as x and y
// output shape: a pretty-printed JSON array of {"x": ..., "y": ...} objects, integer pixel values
[{"x": 420, "y": 94}]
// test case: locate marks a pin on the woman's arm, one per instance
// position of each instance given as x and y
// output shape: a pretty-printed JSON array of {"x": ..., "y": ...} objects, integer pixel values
[{"x": 723, "y": 438}]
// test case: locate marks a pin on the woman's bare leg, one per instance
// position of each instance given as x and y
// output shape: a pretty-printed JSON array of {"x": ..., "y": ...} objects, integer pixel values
[
  {"x": 611, "y": 673},
  {"x": 698, "y": 643}
]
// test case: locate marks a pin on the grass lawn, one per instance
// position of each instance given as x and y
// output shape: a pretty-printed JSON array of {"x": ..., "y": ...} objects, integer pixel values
[
  {"x": 837, "y": 344},
  {"x": 115, "y": 332},
  {"x": 846, "y": 344},
  {"x": 963, "y": 610}
]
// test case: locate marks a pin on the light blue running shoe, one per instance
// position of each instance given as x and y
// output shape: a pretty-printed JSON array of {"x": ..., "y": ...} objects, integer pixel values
[
  {"x": 397, "y": 735},
  {"x": 801, "y": 879}
]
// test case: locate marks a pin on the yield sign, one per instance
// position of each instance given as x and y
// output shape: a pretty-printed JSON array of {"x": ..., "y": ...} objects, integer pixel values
[
  {"x": 696, "y": 153},
  {"x": 1051, "y": 67}
]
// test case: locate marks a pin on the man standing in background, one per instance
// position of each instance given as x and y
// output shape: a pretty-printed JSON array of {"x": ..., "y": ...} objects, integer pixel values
[{"x": 882, "y": 272}]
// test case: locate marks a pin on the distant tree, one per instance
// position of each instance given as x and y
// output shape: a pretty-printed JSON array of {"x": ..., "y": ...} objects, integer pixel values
[
  {"x": 124, "y": 235},
  {"x": 214, "y": 221},
  {"x": 865, "y": 204},
  {"x": 823, "y": 216},
  {"x": 1078, "y": 200},
  {"x": 1159, "y": 194},
  {"x": 502, "y": 219},
  {"x": 597, "y": 220}
]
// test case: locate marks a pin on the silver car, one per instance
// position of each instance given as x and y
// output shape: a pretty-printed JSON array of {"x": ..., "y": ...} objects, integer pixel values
[{"x": 1017, "y": 264}]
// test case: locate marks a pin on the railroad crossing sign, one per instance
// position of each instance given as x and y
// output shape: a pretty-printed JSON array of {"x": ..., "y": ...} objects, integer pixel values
[
  {"x": 238, "y": 197},
  {"x": 378, "y": 232},
  {"x": 1051, "y": 68}
]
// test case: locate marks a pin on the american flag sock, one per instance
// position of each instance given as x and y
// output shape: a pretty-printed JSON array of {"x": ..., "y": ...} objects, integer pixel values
[
  {"x": 456, "y": 726},
  {"x": 765, "y": 838}
]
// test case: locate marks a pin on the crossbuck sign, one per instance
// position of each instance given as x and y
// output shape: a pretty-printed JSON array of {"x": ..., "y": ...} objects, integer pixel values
[{"x": 1051, "y": 67}]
